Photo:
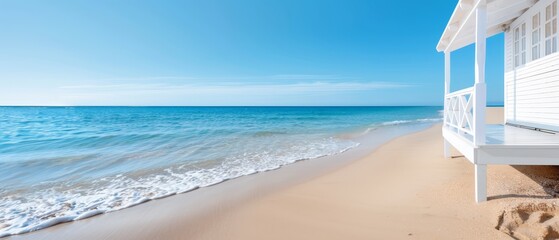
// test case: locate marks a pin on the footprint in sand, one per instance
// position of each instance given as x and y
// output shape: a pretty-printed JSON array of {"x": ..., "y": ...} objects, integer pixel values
[{"x": 531, "y": 221}]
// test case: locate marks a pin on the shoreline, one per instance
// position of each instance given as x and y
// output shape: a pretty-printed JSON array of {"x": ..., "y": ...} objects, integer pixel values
[
  {"x": 297, "y": 172},
  {"x": 402, "y": 189}
]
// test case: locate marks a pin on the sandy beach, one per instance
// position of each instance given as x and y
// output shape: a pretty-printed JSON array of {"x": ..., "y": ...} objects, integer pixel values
[{"x": 405, "y": 189}]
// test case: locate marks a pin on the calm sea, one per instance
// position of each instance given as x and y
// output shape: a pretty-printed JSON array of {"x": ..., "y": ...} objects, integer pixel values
[{"x": 60, "y": 164}]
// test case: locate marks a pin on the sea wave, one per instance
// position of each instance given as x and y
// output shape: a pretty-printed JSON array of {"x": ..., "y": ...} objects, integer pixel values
[
  {"x": 422, "y": 120},
  {"x": 23, "y": 213},
  {"x": 399, "y": 122}
]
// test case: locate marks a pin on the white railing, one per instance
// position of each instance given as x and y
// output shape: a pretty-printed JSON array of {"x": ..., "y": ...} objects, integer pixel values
[{"x": 459, "y": 112}]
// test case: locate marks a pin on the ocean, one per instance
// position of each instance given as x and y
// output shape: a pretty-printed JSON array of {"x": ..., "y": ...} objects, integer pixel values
[{"x": 60, "y": 164}]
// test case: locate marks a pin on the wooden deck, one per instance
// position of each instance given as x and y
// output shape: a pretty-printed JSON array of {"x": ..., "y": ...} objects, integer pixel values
[
  {"x": 512, "y": 136},
  {"x": 508, "y": 145}
]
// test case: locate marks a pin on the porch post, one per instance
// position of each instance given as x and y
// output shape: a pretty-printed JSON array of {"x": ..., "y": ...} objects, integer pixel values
[
  {"x": 446, "y": 92},
  {"x": 479, "y": 86},
  {"x": 480, "y": 99},
  {"x": 481, "y": 182}
]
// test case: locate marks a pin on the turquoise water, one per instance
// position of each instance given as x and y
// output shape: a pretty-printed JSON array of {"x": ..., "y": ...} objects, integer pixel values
[{"x": 65, "y": 163}]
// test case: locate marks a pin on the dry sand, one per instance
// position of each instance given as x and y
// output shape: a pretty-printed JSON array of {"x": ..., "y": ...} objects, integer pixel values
[{"x": 405, "y": 189}]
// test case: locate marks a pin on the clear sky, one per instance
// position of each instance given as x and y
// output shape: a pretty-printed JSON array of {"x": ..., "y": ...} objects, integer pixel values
[{"x": 231, "y": 52}]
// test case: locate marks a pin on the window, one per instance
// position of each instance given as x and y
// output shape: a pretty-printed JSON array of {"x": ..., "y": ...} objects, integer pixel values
[
  {"x": 551, "y": 28},
  {"x": 523, "y": 44},
  {"x": 536, "y": 36},
  {"x": 520, "y": 45}
]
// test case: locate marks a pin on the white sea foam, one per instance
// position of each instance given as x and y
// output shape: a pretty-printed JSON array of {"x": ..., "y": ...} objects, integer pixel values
[
  {"x": 400, "y": 122},
  {"x": 88, "y": 214},
  {"x": 51, "y": 206},
  {"x": 423, "y": 120}
]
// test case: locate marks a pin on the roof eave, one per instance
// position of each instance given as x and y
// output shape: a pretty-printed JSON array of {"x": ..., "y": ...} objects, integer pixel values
[
  {"x": 451, "y": 26},
  {"x": 501, "y": 13}
]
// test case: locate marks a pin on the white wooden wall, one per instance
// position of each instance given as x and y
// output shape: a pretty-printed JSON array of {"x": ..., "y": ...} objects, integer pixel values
[{"x": 532, "y": 90}]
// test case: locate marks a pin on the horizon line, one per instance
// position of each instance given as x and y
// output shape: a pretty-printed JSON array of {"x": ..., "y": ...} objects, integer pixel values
[
  {"x": 221, "y": 105},
  {"x": 488, "y": 105}
]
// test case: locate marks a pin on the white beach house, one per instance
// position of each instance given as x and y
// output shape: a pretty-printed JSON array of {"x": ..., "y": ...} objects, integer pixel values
[{"x": 531, "y": 59}]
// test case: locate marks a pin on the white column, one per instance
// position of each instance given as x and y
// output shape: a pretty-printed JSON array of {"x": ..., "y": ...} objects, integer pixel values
[
  {"x": 446, "y": 92},
  {"x": 481, "y": 182},
  {"x": 480, "y": 87},
  {"x": 480, "y": 99}
]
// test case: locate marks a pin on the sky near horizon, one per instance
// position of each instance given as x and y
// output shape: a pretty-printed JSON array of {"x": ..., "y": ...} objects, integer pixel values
[{"x": 242, "y": 52}]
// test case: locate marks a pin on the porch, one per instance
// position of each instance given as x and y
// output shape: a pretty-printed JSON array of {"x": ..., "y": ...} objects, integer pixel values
[
  {"x": 503, "y": 145},
  {"x": 506, "y": 144},
  {"x": 472, "y": 22}
]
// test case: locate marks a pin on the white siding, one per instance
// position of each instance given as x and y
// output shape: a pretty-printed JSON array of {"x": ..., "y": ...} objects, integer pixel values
[
  {"x": 508, "y": 51},
  {"x": 531, "y": 90},
  {"x": 508, "y": 67},
  {"x": 532, "y": 93}
]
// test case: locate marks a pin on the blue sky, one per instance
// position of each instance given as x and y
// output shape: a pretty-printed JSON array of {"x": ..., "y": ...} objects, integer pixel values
[{"x": 242, "y": 52}]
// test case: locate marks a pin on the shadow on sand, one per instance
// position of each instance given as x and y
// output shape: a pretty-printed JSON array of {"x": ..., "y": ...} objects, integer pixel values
[{"x": 545, "y": 176}]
